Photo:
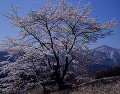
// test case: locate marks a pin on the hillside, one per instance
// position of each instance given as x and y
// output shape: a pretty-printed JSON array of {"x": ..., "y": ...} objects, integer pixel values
[
  {"x": 4, "y": 57},
  {"x": 104, "y": 86},
  {"x": 110, "y": 58},
  {"x": 109, "y": 85}
]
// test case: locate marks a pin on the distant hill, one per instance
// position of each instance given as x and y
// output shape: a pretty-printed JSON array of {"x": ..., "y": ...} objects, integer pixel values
[
  {"x": 3, "y": 56},
  {"x": 106, "y": 48},
  {"x": 111, "y": 58}
]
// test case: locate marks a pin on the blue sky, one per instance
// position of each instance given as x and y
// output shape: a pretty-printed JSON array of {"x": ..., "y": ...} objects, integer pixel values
[{"x": 104, "y": 10}]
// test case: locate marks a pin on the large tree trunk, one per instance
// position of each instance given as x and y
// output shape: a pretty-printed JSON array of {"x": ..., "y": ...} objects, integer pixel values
[
  {"x": 44, "y": 89},
  {"x": 58, "y": 79},
  {"x": 61, "y": 84},
  {"x": 61, "y": 79}
]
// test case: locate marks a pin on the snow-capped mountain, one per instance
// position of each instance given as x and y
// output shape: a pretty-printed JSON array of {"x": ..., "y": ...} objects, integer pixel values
[
  {"x": 111, "y": 57},
  {"x": 109, "y": 51}
]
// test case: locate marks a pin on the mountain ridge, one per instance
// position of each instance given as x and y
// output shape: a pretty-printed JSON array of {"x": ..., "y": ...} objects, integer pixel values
[
  {"x": 106, "y": 48},
  {"x": 110, "y": 55}
]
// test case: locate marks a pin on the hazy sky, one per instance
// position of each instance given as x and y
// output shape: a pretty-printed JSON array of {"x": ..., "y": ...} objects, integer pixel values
[{"x": 104, "y": 10}]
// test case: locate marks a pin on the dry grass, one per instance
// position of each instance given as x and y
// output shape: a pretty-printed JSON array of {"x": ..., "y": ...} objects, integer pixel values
[
  {"x": 109, "y": 85},
  {"x": 102, "y": 89}
]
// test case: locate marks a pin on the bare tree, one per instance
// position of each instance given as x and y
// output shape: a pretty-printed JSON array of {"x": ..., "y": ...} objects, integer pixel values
[{"x": 55, "y": 35}]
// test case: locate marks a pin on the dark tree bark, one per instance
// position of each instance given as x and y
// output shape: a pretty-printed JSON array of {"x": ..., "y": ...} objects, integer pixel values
[{"x": 44, "y": 89}]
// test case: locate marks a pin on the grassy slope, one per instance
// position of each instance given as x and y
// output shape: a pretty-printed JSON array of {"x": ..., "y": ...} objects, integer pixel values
[
  {"x": 109, "y": 85},
  {"x": 104, "y": 86}
]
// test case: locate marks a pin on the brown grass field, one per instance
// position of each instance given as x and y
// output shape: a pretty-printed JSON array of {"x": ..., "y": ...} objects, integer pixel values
[{"x": 108, "y": 85}]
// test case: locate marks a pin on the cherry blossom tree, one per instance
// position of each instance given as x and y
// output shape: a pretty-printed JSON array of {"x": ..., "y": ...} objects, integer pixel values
[{"x": 55, "y": 36}]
